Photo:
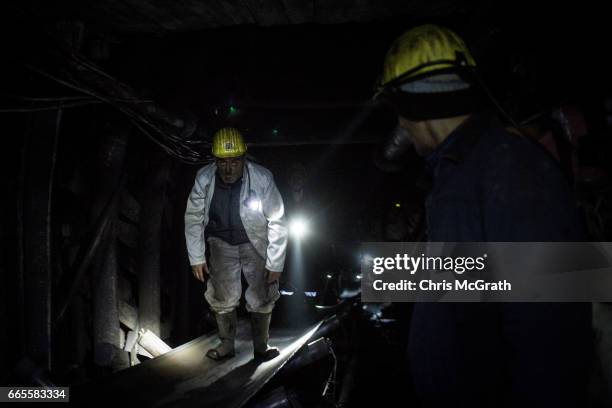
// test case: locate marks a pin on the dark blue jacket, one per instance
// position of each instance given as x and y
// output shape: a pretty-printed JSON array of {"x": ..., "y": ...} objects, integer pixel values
[{"x": 494, "y": 185}]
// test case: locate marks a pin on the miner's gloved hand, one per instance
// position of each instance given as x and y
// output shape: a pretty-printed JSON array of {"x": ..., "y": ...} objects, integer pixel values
[
  {"x": 200, "y": 271},
  {"x": 272, "y": 276}
]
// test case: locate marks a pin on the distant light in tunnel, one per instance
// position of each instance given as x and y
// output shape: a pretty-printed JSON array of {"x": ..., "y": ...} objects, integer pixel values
[
  {"x": 298, "y": 228},
  {"x": 397, "y": 205},
  {"x": 233, "y": 110},
  {"x": 367, "y": 259}
]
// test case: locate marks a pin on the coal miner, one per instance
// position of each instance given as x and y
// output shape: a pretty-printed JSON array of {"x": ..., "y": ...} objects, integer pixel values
[
  {"x": 236, "y": 208},
  {"x": 489, "y": 184}
]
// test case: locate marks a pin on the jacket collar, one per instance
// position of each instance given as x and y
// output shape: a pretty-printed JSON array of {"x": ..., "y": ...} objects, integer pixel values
[{"x": 459, "y": 142}]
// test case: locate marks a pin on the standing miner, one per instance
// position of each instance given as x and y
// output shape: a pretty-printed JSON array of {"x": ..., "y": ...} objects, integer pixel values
[
  {"x": 235, "y": 204},
  {"x": 490, "y": 184}
]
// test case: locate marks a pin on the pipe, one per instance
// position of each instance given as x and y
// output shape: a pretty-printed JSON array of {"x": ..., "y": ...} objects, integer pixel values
[
  {"x": 107, "y": 333},
  {"x": 332, "y": 323},
  {"x": 79, "y": 340},
  {"x": 106, "y": 329},
  {"x": 38, "y": 196},
  {"x": 314, "y": 351},
  {"x": 87, "y": 253},
  {"x": 20, "y": 282},
  {"x": 150, "y": 244}
]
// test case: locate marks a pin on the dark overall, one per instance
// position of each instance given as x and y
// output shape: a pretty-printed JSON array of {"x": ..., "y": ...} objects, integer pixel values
[{"x": 491, "y": 185}]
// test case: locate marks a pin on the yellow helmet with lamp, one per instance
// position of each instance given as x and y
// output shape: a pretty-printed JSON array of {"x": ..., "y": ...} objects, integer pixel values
[
  {"x": 228, "y": 142},
  {"x": 427, "y": 74},
  {"x": 422, "y": 51}
]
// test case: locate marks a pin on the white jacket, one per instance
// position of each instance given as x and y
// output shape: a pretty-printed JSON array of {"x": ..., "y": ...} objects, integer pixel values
[{"x": 265, "y": 225}]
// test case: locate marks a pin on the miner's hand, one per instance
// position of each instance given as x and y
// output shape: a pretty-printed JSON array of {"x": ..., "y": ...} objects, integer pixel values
[
  {"x": 200, "y": 271},
  {"x": 272, "y": 276}
]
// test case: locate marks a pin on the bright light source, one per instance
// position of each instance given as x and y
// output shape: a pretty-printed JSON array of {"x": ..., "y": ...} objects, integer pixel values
[
  {"x": 358, "y": 277},
  {"x": 397, "y": 205},
  {"x": 329, "y": 276},
  {"x": 298, "y": 228},
  {"x": 151, "y": 343},
  {"x": 253, "y": 204},
  {"x": 367, "y": 258}
]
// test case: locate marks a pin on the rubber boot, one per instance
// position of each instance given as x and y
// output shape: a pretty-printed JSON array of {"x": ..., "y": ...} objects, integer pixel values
[
  {"x": 226, "y": 323},
  {"x": 260, "y": 325}
]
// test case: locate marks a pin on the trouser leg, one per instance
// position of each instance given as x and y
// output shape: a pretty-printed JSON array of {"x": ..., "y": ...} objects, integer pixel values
[
  {"x": 260, "y": 295},
  {"x": 223, "y": 288}
]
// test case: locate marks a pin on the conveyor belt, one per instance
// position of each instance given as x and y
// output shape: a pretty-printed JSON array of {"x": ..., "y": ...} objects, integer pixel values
[{"x": 184, "y": 377}]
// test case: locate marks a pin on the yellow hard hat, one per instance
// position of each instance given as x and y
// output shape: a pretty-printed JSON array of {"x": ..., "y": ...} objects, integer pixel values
[
  {"x": 228, "y": 142},
  {"x": 422, "y": 51}
]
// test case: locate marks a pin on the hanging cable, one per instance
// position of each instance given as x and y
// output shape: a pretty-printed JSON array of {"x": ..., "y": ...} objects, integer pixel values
[
  {"x": 331, "y": 380},
  {"x": 171, "y": 144},
  {"x": 47, "y": 108}
]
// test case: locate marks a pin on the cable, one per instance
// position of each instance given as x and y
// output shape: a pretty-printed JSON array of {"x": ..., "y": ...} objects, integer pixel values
[
  {"x": 71, "y": 98},
  {"x": 45, "y": 99},
  {"x": 331, "y": 380},
  {"x": 47, "y": 108},
  {"x": 543, "y": 112},
  {"x": 171, "y": 144},
  {"x": 498, "y": 106}
]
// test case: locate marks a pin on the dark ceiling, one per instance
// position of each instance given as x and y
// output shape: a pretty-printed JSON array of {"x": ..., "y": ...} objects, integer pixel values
[
  {"x": 163, "y": 16},
  {"x": 308, "y": 67}
]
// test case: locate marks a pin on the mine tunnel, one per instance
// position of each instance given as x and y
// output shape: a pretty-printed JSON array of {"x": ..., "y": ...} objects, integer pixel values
[{"x": 192, "y": 191}]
